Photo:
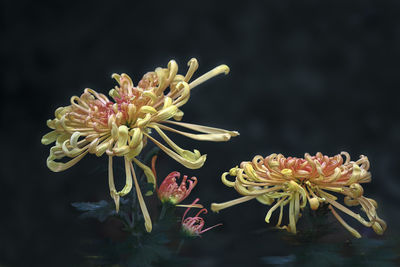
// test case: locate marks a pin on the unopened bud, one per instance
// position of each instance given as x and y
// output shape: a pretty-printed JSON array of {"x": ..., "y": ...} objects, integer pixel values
[{"x": 314, "y": 203}]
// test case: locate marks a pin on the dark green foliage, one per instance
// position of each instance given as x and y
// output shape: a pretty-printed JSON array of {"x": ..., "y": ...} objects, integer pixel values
[
  {"x": 315, "y": 245},
  {"x": 138, "y": 248},
  {"x": 99, "y": 210},
  {"x": 312, "y": 226},
  {"x": 151, "y": 249}
]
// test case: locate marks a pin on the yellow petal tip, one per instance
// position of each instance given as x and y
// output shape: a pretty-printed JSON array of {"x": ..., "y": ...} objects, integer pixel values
[
  {"x": 214, "y": 207},
  {"x": 225, "y": 68},
  {"x": 148, "y": 227}
]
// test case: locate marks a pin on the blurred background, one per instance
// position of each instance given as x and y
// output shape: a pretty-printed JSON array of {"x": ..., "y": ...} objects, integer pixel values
[{"x": 306, "y": 76}]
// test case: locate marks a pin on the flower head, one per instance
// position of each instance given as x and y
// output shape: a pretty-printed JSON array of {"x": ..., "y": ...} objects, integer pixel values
[
  {"x": 170, "y": 192},
  {"x": 94, "y": 124},
  {"x": 193, "y": 226},
  {"x": 296, "y": 181}
]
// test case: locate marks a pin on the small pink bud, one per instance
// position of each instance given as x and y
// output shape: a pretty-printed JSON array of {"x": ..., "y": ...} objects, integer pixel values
[
  {"x": 193, "y": 226},
  {"x": 170, "y": 192}
]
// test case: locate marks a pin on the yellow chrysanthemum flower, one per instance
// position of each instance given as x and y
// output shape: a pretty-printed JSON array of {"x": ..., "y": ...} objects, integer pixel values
[
  {"x": 94, "y": 124},
  {"x": 296, "y": 181}
]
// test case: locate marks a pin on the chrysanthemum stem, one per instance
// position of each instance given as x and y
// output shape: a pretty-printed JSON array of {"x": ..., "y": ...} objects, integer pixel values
[
  {"x": 180, "y": 246},
  {"x": 162, "y": 213}
]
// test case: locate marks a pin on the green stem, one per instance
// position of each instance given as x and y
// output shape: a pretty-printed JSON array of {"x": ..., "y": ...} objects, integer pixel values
[
  {"x": 180, "y": 246},
  {"x": 163, "y": 211}
]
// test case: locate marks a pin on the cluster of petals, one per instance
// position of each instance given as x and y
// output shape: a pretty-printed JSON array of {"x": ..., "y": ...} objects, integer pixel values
[
  {"x": 94, "y": 124},
  {"x": 280, "y": 181},
  {"x": 193, "y": 226},
  {"x": 170, "y": 192}
]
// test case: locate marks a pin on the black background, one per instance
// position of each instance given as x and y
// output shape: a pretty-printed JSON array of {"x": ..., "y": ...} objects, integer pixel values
[{"x": 306, "y": 76}]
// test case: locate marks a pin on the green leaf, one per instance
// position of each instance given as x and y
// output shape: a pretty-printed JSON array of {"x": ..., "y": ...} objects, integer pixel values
[
  {"x": 151, "y": 250},
  {"x": 99, "y": 210}
]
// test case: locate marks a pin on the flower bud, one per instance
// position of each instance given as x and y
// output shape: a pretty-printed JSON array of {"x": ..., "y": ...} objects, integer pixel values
[
  {"x": 169, "y": 190},
  {"x": 314, "y": 203}
]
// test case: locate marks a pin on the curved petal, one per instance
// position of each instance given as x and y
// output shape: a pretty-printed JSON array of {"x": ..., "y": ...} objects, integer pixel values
[
  {"x": 165, "y": 113},
  {"x": 191, "y": 164},
  {"x": 353, "y": 231},
  {"x": 273, "y": 208},
  {"x": 184, "y": 96},
  {"x": 191, "y": 156},
  {"x": 113, "y": 190},
  {"x": 212, "y": 73},
  {"x": 146, "y": 215},
  {"x": 226, "y": 181},
  {"x": 193, "y": 65},
  {"x": 149, "y": 174},
  {"x": 216, "y": 207},
  {"x": 265, "y": 199},
  {"x": 355, "y": 175},
  {"x": 215, "y": 137},
  {"x": 60, "y": 166},
  {"x": 203, "y": 129},
  {"x": 49, "y": 137},
  {"x": 349, "y": 212},
  {"x": 128, "y": 184},
  {"x": 292, "y": 220}
]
